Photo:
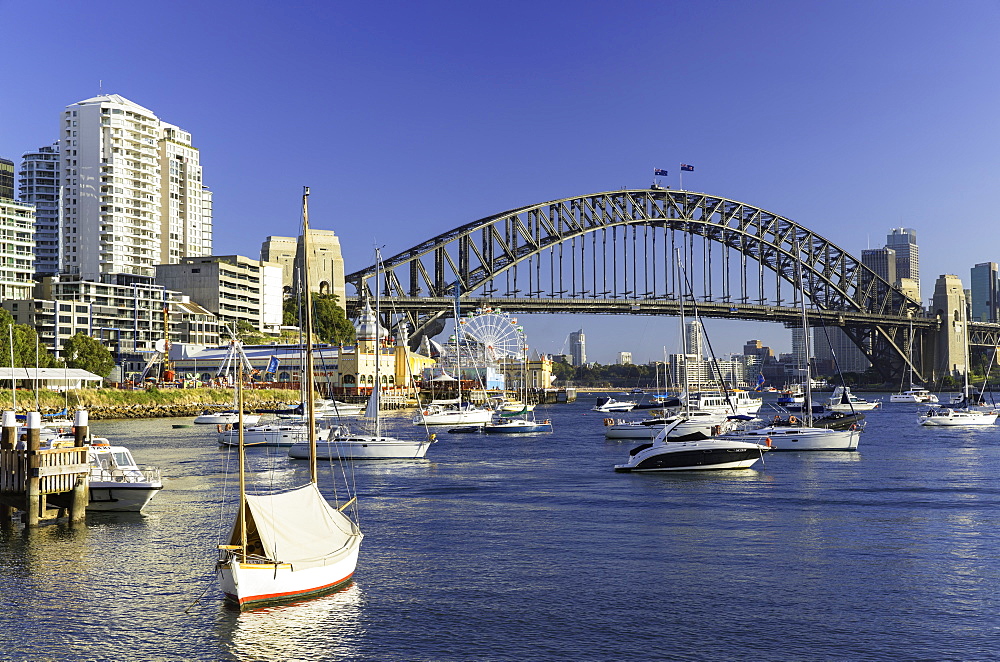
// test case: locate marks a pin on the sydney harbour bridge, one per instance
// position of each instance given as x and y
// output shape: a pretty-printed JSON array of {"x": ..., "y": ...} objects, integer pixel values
[{"x": 660, "y": 251}]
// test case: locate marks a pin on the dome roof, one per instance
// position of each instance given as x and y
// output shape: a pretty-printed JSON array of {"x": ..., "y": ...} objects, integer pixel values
[{"x": 367, "y": 326}]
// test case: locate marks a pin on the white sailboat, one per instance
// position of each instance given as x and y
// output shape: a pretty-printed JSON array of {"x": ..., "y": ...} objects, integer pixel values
[
  {"x": 960, "y": 414},
  {"x": 803, "y": 437},
  {"x": 340, "y": 442},
  {"x": 288, "y": 545},
  {"x": 914, "y": 394}
]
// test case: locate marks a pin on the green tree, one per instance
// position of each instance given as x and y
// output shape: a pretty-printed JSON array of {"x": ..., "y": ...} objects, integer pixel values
[
  {"x": 330, "y": 324},
  {"x": 28, "y": 352},
  {"x": 82, "y": 351}
]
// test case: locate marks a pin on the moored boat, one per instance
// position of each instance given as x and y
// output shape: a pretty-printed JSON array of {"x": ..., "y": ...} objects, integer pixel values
[{"x": 715, "y": 453}]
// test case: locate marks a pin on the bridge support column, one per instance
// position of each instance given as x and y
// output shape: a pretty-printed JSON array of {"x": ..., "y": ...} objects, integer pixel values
[{"x": 952, "y": 338}]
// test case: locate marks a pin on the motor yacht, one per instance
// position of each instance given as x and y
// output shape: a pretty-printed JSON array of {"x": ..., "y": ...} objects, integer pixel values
[{"x": 662, "y": 454}]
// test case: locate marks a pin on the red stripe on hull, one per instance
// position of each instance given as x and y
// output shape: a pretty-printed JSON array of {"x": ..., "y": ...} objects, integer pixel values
[{"x": 251, "y": 602}]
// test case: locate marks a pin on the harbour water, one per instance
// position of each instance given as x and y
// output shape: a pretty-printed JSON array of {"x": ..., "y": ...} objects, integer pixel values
[{"x": 532, "y": 548}]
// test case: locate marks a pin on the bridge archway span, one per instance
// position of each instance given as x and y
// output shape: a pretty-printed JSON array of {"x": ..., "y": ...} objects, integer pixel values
[{"x": 624, "y": 246}]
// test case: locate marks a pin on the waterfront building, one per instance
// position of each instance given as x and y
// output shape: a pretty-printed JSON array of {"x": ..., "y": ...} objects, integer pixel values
[
  {"x": 326, "y": 263},
  {"x": 233, "y": 287},
  {"x": 17, "y": 222},
  {"x": 38, "y": 185},
  {"x": 798, "y": 355},
  {"x": 131, "y": 191},
  {"x": 128, "y": 314},
  {"x": 578, "y": 348},
  {"x": 985, "y": 292},
  {"x": 624, "y": 358}
]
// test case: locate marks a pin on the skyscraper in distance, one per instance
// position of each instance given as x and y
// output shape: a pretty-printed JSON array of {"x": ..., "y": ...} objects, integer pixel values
[
  {"x": 904, "y": 242},
  {"x": 985, "y": 289},
  {"x": 578, "y": 348},
  {"x": 38, "y": 184}
]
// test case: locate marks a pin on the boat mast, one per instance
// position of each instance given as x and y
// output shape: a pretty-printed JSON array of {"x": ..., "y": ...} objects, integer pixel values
[
  {"x": 242, "y": 460},
  {"x": 377, "y": 392},
  {"x": 805, "y": 335},
  {"x": 307, "y": 378}
]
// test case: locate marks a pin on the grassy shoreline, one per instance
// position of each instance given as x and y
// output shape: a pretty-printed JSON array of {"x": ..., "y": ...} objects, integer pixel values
[{"x": 51, "y": 401}]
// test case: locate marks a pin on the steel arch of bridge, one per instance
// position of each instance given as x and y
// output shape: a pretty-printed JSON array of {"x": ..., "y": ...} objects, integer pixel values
[{"x": 478, "y": 257}]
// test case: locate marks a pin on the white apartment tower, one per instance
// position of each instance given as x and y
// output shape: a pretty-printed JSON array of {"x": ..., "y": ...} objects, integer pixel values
[{"x": 131, "y": 191}]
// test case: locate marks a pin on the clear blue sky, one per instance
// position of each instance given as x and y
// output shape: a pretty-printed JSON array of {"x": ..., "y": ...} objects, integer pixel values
[{"x": 410, "y": 118}]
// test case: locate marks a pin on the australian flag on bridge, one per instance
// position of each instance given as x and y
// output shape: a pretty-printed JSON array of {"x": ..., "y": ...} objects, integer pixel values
[
  {"x": 657, "y": 172},
  {"x": 686, "y": 167}
]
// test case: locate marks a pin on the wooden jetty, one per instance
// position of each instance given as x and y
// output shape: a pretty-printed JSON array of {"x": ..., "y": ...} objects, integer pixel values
[{"x": 42, "y": 483}]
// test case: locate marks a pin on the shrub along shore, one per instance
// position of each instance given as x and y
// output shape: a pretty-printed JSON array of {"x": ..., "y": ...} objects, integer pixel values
[{"x": 111, "y": 403}]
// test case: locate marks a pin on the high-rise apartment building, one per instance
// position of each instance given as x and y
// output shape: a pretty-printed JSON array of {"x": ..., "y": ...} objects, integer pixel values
[
  {"x": 694, "y": 342},
  {"x": 986, "y": 292},
  {"x": 578, "y": 347},
  {"x": 16, "y": 262},
  {"x": 38, "y": 184},
  {"x": 904, "y": 242},
  {"x": 131, "y": 191}
]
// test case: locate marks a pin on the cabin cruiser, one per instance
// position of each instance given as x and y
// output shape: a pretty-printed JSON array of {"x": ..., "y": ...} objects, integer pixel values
[
  {"x": 340, "y": 443},
  {"x": 464, "y": 414},
  {"x": 957, "y": 416},
  {"x": 915, "y": 394},
  {"x": 323, "y": 408},
  {"x": 116, "y": 483},
  {"x": 689, "y": 426},
  {"x": 843, "y": 400},
  {"x": 662, "y": 454},
  {"x": 609, "y": 405},
  {"x": 732, "y": 402},
  {"x": 228, "y": 417}
]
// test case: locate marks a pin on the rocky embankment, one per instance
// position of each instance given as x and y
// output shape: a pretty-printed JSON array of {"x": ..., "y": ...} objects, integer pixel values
[{"x": 173, "y": 410}]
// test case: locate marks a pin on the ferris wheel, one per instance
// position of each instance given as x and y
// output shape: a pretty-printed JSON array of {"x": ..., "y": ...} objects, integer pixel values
[{"x": 498, "y": 334}]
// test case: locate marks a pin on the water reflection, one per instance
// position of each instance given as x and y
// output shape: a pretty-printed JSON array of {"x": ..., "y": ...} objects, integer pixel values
[{"x": 322, "y": 629}]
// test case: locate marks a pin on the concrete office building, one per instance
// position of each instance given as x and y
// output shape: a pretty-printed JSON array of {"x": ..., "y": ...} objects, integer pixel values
[
  {"x": 904, "y": 242},
  {"x": 233, "y": 287}
]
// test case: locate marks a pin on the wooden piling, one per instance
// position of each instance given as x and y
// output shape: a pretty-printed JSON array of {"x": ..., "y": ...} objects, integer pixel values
[
  {"x": 34, "y": 500},
  {"x": 81, "y": 491}
]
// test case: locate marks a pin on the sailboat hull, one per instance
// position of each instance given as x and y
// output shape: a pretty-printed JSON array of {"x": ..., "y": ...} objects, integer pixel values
[
  {"x": 253, "y": 585},
  {"x": 363, "y": 447},
  {"x": 782, "y": 438}
]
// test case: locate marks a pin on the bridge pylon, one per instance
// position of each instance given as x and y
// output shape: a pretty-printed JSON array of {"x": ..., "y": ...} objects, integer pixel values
[{"x": 950, "y": 348}]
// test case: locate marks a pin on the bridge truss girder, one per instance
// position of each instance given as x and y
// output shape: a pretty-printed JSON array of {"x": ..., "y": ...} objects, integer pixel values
[{"x": 511, "y": 246}]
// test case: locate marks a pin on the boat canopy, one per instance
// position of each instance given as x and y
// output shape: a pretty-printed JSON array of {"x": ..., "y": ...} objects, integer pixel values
[{"x": 300, "y": 527}]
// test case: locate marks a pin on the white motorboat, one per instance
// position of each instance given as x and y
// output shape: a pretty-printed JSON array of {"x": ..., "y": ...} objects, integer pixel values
[
  {"x": 958, "y": 417},
  {"x": 467, "y": 414},
  {"x": 229, "y": 417},
  {"x": 695, "y": 425},
  {"x": 915, "y": 395},
  {"x": 268, "y": 434},
  {"x": 116, "y": 482},
  {"x": 325, "y": 408},
  {"x": 844, "y": 401},
  {"x": 609, "y": 405},
  {"x": 735, "y": 403},
  {"x": 661, "y": 454},
  {"x": 292, "y": 544}
]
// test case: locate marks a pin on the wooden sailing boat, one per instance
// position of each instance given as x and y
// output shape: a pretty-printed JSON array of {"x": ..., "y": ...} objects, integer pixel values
[{"x": 289, "y": 545}]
